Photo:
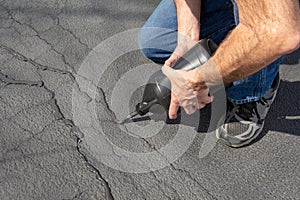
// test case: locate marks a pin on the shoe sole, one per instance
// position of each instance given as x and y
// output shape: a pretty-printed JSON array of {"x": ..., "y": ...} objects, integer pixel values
[{"x": 225, "y": 142}]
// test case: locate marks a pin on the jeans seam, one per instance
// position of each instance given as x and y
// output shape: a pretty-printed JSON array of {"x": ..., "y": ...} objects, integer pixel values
[{"x": 259, "y": 88}]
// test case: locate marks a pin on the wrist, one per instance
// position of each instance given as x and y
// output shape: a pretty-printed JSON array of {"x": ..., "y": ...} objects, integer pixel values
[
  {"x": 206, "y": 76},
  {"x": 189, "y": 26},
  {"x": 189, "y": 33},
  {"x": 188, "y": 18},
  {"x": 197, "y": 81}
]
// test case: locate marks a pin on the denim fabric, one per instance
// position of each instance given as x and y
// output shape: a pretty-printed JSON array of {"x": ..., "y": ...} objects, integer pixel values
[{"x": 158, "y": 39}]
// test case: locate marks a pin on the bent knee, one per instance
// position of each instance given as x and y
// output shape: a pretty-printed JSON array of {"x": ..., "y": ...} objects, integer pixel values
[{"x": 154, "y": 45}]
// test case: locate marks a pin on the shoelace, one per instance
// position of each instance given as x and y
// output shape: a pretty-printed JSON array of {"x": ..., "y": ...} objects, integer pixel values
[{"x": 247, "y": 111}]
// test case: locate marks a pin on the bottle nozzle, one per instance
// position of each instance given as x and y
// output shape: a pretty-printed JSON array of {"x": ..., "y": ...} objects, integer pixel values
[
  {"x": 140, "y": 109},
  {"x": 131, "y": 115}
]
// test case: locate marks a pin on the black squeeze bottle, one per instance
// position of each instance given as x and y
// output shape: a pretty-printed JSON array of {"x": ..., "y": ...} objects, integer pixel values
[{"x": 157, "y": 90}]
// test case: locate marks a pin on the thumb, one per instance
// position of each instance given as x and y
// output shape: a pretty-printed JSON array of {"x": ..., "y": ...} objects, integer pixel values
[
  {"x": 173, "y": 58},
  {"x": 168, "y": 71}
]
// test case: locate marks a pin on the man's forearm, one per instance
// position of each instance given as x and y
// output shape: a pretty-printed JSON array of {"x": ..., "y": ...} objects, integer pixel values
[
  {"x": 188, "y": 18},
  {"x": 267, "y": 30}
]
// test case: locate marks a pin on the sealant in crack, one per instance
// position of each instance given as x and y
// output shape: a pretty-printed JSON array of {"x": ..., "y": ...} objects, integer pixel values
[{"x": 4, "y": 78}]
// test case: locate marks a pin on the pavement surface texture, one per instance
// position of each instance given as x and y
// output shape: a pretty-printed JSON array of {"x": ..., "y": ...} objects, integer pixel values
[{"x": 45, "y": 154}]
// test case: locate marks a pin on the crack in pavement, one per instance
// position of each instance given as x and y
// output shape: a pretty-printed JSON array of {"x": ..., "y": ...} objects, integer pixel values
[
  {"x": 112, "y": 114},
  {"x": 187, "y": 173},
  {"x": 53, "y": 102},
  {"x": 41, "y": 67},
  {"x": 73, "y": 34},
  {"x": 58, "y": 23},
  {"x": 76, "y": 196},
  {"x": 152, "y": 146},
  {"x": 113, "y": 119},
  {"x": 63, "y": 57},
  {"x": 159, "y": 181},
  {"x": 68, "y": 122},
  {"x": 108, "y": 192},
  {"x": 58, "y": 115},
  {"x": 32, "y": 135}
]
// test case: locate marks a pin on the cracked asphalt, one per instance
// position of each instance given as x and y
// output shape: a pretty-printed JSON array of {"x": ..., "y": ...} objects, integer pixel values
[{"x": 45, "y": 155}]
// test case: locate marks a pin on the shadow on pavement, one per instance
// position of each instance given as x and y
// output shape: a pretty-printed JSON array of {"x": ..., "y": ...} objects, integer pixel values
[{"x": 284, "y": 115}]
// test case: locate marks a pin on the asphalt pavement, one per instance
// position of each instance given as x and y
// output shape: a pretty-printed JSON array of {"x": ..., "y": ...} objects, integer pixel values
[{"x": 68, "y": 72}]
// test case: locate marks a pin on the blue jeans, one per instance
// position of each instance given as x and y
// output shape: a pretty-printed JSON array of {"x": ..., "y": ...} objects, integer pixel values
[{"x": 158, "y": 39}]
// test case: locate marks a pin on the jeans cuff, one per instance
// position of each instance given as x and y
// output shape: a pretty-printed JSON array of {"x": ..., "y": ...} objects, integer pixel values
[{"x": 242, "y": 101}]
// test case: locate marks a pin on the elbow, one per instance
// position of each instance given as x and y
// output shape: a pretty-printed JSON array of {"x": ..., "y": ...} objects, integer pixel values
[
  {"x": 296, "y": 41},
  {"x": 293, "y": 42},
  {"x": 290, "y": 40}
]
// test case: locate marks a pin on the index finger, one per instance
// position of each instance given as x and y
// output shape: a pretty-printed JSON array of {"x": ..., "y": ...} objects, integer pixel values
[{"x": 173, "y": 108}]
